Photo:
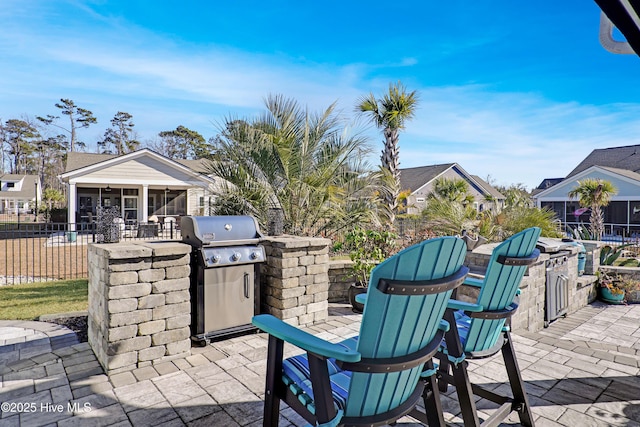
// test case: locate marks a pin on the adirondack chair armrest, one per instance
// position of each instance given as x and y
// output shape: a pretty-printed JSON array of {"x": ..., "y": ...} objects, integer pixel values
[
  {"x": 362, "y": 298},
  {"x": 506, "y": 312},
  {"x": 455, "y": 304},
  {"x": 304, "y": 340},
  {"x": 473, "y": 281}
]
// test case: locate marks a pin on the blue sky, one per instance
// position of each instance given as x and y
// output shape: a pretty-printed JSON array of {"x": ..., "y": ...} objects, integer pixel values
[{"x": 518, "y": 91}]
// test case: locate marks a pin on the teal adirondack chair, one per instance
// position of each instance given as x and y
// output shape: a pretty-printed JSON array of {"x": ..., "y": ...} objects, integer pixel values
[
  {"x": 381, "y": 375},
  {"x": 482, "y": 329}
]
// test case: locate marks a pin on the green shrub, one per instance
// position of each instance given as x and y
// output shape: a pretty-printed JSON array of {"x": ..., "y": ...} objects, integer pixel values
[{"x": 367, "y": 248}]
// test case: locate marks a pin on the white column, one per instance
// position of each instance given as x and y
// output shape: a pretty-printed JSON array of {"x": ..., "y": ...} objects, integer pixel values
[
  {"x": 71, "y": 205},
  {"x": 145, "y": 203}
]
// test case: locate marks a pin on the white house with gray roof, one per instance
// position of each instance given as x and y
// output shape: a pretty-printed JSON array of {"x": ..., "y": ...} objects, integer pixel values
[
  {"x": 618, "y": 165},
  {"x": 421, "y": 180},
  {"x": 19, "y": 194},
  {"x": 142, "y": 185}
]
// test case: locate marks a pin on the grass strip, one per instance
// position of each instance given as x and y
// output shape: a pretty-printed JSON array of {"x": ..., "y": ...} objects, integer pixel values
[{"x": 30, "y": 300}]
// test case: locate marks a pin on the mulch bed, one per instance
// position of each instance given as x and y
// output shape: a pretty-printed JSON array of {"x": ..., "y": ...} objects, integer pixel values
[{"x": 76, "y": 324}]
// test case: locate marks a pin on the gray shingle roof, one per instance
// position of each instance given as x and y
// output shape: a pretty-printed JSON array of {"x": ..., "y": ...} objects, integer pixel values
[
  {"x": 28, "y": 189},
  {"x": 627, "y": 157},
  {"x": 77, "y": 160},
  {"x": 488, "y": 188},
  {"x": 414, "y": 178}
]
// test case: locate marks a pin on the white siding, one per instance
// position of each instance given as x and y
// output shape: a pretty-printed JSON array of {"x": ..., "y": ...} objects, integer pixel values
[
  {"x": 626, "y": 189},
  {"x": 139, "y": 170},
  {"x": 193, "y": 201}
]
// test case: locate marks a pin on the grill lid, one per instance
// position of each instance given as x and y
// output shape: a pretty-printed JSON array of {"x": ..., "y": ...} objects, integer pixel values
[{"x": 222, "y": 230}]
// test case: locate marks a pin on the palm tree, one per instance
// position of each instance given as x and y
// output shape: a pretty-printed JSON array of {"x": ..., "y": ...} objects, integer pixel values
[
  {"x": 594, "y": 193},
  {"x": 390, "y": 113},
  {"x": 448, "y": 218},
  {"x": 452, "y": 189},
  {"x": 301, "y": 163}
]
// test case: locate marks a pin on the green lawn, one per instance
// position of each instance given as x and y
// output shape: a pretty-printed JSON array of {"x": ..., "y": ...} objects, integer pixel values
[{"x": 28, "y": 301}]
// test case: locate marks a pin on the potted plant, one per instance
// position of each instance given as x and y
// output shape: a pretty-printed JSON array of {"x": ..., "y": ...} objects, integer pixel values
[
  {"x": 472, "y": 239},
  {"x": 609, "y": 289},
  {"x": 631, "y": 288},
  {"x": 366, "y": 248}
]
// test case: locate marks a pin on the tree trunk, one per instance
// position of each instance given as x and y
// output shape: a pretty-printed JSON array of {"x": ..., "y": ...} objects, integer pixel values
[
  {"x": 390, "y": 161},
  {"x": 597, "y": 222}
]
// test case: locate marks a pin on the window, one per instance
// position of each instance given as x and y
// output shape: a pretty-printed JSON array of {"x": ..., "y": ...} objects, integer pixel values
[{"x": 201, "y": 201}]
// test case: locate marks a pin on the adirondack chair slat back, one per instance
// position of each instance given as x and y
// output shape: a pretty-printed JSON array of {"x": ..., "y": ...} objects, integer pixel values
[
  {"x": 396, "y": 325},
  {"x": 499, "y": 288}
]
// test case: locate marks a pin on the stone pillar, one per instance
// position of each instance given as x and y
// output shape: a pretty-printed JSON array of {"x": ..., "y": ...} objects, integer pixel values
[
  {"x": 530, "y": 314},
  {"x": 295, "y": 279},
  {"x": 139, "y": 303},
  {"x": 341, "y": 278},
  {"x": 531, "y": 302},
  {"x": 593, "y": 249}
]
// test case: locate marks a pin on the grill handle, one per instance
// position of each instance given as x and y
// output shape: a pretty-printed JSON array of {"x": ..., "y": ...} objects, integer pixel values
[{"x": 247, "y": 293}]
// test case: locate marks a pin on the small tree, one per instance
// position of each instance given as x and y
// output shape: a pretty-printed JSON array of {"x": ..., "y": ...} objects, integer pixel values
[
  {"x": 368, "y": 248},
  {"x": 594, "y": 193},
  {"x": 51, "y": 197}
]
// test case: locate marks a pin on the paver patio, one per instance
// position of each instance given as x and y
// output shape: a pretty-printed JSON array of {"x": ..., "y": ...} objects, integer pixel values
[{"x": 581, "y": 371}]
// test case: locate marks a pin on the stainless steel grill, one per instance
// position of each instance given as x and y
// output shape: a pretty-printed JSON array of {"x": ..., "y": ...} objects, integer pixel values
[
  {"x": 557, "y": 279},
  {"x": 225, "y": 274}
]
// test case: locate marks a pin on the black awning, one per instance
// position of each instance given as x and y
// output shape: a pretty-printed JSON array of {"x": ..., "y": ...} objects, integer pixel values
[{"x": 625, "y": 16}]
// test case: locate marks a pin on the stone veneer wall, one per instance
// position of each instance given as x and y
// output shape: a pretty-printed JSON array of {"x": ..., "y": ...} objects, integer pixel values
[
  {"x": 530, "y": 314},
  {"x": 295, "y": 279},
  {"x": 139, "y": 303},
  {"x": 341, "y": 278}
]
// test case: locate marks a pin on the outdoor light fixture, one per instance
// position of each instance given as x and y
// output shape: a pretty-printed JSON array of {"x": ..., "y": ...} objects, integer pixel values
[{"x": 107, "y": 189}]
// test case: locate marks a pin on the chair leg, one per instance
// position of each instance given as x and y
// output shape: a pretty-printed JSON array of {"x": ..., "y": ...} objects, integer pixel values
[
  {"x": 432, "y": 403},
  {"x": 460, "y": 374},
  {"x": 444, "y": 371},
  {"x": 465, "y": 394},
  {"x": 517, "y": 384},
  {"x": 274, "y": 378}
]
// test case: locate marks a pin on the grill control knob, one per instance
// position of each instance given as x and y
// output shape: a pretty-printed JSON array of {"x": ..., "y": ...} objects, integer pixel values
[
  {"x": 236, "y": 256},
  {"x": 215, "y": 259},
  {"x": 254, "y": 255}
]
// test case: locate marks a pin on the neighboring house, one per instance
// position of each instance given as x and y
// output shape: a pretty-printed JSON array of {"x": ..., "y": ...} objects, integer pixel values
[
  {"x": 19, "y": 193},
  {"x": 546, "y": 183},
  {"x": 618, "y": 165},
  {"x": 140, "y": 184},
  {"x": 420, "y": 181}
]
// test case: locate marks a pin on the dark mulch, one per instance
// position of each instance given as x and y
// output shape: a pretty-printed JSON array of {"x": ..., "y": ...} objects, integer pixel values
[{"x": 76, "y": 324}]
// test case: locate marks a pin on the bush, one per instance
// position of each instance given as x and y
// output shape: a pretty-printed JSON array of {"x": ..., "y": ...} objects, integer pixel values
[{"x": 367, "y": 248}]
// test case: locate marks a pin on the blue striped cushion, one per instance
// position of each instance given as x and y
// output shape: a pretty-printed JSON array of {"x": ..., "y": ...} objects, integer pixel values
[
  {"x": 463, "y": 323},
  {"x": 296, "y": 370}
]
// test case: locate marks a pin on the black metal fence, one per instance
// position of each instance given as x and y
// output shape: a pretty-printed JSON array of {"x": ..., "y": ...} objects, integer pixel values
[{"x": 34, "y": 252}]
